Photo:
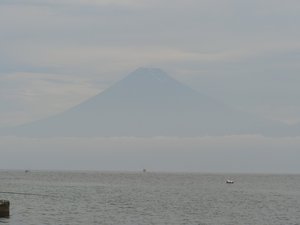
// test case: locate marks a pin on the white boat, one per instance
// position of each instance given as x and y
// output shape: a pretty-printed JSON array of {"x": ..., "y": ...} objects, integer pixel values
[{"x": 229, "y": 181}]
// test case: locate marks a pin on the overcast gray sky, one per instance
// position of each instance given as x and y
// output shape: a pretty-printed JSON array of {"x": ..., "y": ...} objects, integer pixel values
[{"x": 57, "y": 53}]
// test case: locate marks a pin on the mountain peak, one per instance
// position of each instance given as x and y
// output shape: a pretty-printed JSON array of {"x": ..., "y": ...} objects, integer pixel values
[{"x": 149, "y": 73}]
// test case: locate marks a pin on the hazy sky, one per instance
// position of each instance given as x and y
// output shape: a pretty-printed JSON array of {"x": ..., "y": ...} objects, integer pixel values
[{"x": 56, "y": 53}]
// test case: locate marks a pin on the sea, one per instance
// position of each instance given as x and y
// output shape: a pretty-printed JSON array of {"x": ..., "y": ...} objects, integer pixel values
[{"x": 146, "y": 198}]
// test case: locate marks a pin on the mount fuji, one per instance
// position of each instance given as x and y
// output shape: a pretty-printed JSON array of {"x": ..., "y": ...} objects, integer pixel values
[{"x": 148, "y": 103}]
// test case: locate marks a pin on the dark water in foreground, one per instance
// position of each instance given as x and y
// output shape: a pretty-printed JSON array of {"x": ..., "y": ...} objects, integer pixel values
[{"x": 150, "y": 198}]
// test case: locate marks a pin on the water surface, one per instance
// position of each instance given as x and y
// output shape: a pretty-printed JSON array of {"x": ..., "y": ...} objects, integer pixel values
[{"x": 149, "y": 198}]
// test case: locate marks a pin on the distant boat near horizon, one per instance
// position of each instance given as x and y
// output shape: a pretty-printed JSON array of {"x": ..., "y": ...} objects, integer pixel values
[{"x": 229, "y": 181}]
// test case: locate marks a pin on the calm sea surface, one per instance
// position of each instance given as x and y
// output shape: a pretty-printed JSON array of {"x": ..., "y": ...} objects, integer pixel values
[{"x": 150, "y": 198}]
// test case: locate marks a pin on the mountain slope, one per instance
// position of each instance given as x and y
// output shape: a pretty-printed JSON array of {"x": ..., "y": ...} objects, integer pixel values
[{"x": 150, "y": 103}]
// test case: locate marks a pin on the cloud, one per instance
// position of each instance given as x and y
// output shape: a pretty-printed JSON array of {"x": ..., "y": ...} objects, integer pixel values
[
  {"x": 70, "y": 2},
  {"x": 207, "y": 29},
  {"x": 30, "y": 96}
]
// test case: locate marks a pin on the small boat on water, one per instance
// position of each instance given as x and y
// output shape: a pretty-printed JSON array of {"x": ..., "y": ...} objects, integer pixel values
[{"x": 229, "y": 181}]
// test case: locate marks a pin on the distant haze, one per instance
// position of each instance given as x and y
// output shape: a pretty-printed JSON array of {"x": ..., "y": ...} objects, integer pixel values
[
  {"x": 239, "y": 154},
  {"x": 236, "y": 62}
]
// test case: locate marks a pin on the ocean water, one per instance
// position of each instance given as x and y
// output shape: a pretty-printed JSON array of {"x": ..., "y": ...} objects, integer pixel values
[{"x": 115, "y": 198}]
